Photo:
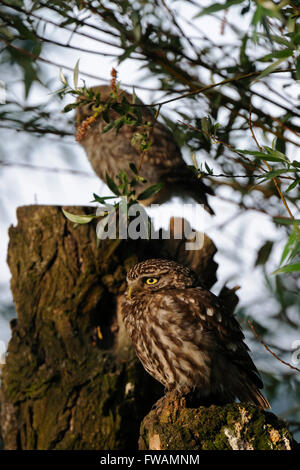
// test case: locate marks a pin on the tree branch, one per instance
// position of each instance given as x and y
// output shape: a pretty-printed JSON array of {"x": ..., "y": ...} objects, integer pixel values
[{"x": 269, "y": 350}]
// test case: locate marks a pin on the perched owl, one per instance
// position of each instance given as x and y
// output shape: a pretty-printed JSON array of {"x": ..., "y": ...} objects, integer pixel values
[
  {"x": 185, "y": 338},
  {"x": 111, "y": 152}
]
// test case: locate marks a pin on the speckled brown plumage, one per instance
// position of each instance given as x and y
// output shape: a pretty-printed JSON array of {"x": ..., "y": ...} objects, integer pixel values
[
  {"x": 111, "y": 152},
  {"x": 185, "y": 338}
]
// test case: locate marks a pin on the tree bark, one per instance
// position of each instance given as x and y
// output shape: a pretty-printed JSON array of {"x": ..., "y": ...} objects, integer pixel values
[
  {"x": 172, "y": 425},
  {"x": 71, "y": 379}
]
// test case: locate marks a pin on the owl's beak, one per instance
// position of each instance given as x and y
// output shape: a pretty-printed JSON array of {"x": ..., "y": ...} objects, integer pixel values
[{"x": 130, "y": 292}]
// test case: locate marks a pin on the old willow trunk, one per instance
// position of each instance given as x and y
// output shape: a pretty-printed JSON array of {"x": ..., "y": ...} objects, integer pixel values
[{"x": 71, "y": 379}]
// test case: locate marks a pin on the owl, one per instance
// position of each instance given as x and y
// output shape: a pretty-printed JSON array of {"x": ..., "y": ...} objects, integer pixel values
[
  {"x": 112, "y": 151},
  {"x": 185, "y": 338}
]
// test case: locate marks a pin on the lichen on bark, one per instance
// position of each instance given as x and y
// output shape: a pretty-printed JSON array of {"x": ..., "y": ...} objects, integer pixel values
[
  {"x": 236, "y": 426},
  {"x": 71, "y": 378}
]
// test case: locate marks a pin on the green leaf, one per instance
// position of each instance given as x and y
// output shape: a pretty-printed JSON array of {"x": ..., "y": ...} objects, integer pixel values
[
  {"x": 78, "y": 219},
  {"x": 108, "y": 127},
  {"x": 134, "y": 97},
  {"x": 206, "y": 126},
  {"x": 280, "y": 145},
  {"x": 295, "y": 164},
  {"x": 293, "y": 185},
  {"x": 105, "y": 115},
  {"x": 133, "y": 168},
  {"x": 112, "y": 185},
  {"x": 269, "y": 69},
  {"x": 194, "y": 160},
  {"x": 294, "y": 250},
  {"x": 271, "y": 155},
  {"x": 279, "y": 39},
  {"x": 285, "y": 221},
  {"x": 127, "y": 53},
  {"x": 218, "y": 7},
  {"x": 102, "y": 200},
  {"x": 75, "y": 75},
  {"x": 255, "y": 153},
  {"x": 290, "y": 243},
  {"x": 288, "y": 268},
  {"x": 149, "y": 192},
  {"x": 63, "y": 78},
  {"x": 298, "y": 67},
  {"x": 257, "y": 15},
  {"x": 276, "y": 153},
  {"x": 70, "y": 106},
  {"x": 208, "y": 169},
  {"x": 283, "y": 53},
  {"x": 273, "y": 174},
  {"x": 264, "y": 252}
]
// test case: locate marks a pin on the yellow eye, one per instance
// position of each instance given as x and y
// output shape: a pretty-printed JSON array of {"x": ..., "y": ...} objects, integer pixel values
[{"x": 151, "y": 280}]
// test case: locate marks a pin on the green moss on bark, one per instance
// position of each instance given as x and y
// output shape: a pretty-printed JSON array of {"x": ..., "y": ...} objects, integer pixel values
[
  {"x": 231, "y": 427},
  {"x": 62, "y": 386},
  {"x": 65, "y": 388}
]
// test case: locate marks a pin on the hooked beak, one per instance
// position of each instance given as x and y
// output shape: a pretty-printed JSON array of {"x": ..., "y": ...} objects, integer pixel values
[{"x": 130, "y": 292}]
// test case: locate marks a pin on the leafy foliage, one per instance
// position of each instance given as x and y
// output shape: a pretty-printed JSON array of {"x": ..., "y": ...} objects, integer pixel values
[{"x": 124, "y": 192}]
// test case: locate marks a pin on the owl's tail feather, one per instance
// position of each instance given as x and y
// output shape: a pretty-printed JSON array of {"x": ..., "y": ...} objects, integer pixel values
[
  {"x": 248, "y": 391},
  {"x": 198, "y": 191},
  {"x": 258, "y": 399},
  {"x": 184, "y": 183}
]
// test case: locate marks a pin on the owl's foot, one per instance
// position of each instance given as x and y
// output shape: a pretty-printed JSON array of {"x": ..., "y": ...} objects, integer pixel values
[
  {"x": 172, "y": 400},
  {"x": 159, "y": 404}
]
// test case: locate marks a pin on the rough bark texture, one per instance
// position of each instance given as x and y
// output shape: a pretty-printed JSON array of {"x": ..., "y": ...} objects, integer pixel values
[
  {"x": 71, "y": 379},
  {"x": 238, "y": 426}
]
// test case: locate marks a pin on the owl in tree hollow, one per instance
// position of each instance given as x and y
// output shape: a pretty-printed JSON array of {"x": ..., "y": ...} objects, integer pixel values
[
  {"x": 113, "y": 151},
  {"x": 185, "y": 338}
]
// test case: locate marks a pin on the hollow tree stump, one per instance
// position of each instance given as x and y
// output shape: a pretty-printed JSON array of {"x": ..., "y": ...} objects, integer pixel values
[
  {"x": 71, "y": 379},
  {"x": 236, "y": 426}
]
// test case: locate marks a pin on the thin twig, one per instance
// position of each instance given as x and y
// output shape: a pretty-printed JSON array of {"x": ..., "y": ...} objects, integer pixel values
[
  {"x": 143, "y": 153},
  {"x": 243, "y": 157},
  {"x": 78, "y": 22},
  {"x": 182, "y": 33},
  {"x": 224, "y": 22},
  {"x": 269, "y": 350},
  {"x": 214, "y": 85},
  {"x": 275, "y": 180},
  {"x": 263, "y": 127},
  {"x": 63, "y": 66},
  {"x": 46, "y": 168},
  {"x": 218, "y": 141},
  {"x": 83, "y": 22}
]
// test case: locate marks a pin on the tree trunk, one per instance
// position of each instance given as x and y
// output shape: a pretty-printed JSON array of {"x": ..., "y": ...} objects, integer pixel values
[
  {"x": 71, "y": 379},
  {"x": 237, "y": 426}
]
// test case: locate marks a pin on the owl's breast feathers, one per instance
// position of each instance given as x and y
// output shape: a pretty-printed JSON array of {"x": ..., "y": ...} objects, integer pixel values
[{"x": 187, "y": 340}]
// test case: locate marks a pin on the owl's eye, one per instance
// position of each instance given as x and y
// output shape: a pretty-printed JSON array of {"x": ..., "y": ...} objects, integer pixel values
[{"x": 151, "y": 280}]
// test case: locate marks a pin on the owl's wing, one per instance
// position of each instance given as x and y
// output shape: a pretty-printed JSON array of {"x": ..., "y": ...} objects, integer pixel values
[
  {"x": 228, "y": 331},
  {"x": 228, "y": 340}
]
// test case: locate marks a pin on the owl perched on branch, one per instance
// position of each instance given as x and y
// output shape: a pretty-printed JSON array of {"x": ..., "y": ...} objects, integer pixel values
[
  {"x": 112, "y": 151},
  {"x": 185, "y": 338}
]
